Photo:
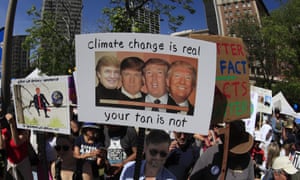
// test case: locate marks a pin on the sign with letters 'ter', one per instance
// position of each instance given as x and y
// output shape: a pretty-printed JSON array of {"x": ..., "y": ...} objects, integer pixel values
[
  {"x": 145, "y": 80},
  {"x": 232, "y": 95}
]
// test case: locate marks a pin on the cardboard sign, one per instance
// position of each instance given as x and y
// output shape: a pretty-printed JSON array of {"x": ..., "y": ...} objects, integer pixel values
[
  {"x": 232, "y": 95},
  {"x": 264, "y": 100},
  {"x": 102, "y": 100},
  {"x": 42, "y": 104}
]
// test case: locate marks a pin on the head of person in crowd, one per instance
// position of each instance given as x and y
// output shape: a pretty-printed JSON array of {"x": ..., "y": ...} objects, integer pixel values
[
  {"x": 277, "y": 113},
  {"x": 65, "y": 164},
  {"x": 154, "y": 75},
  {"x": 89, "y": 131},
  {"x": 156, "y": 148},
  {"x": 108, "y": 71},
  {"x": 273, "y": 151},
  {"x": 182, "y": 138},
  {"x": 131, "y": 75},
  {"x": 283, "y": 168},
  {"x": 181, "y": 80},
  {"x": 240, "y": 141},
  {"x": 64, "y": 146}
]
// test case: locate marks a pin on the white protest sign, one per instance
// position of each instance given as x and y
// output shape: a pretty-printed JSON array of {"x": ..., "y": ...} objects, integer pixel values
[
  {"x": 112, "y": 109},
  {"x": 264, "y": 101},
  {"x": 42, "y": 104}
]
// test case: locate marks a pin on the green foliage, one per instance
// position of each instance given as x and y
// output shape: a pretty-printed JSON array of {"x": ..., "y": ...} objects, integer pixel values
[
  {"x": 52, "y": 48},
  {"x": 120, "y": 16}
]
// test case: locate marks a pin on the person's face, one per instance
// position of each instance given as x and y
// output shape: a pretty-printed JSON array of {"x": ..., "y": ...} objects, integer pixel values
[
  {"x": 180, "y": 83},
  {"x": 109, "y": 76},
  {"x": 37, "y": 90},
  {"x": 155, "y": 79},
  {"x": 280, "y": 175},
  {"x": 181, "y": 138},
  {"x": 63, "y": 147},
  {"x": 156, "y": 154},
  {"x": 132, "y": 80}
]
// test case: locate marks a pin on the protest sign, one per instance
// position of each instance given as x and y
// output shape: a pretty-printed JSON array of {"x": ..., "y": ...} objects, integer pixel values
[
  {"x": 264, "y": 100},
  {"x": 102, "y": 100},
  {"x": 232, "y": 97},
  {"x": 42, "y": 104}
]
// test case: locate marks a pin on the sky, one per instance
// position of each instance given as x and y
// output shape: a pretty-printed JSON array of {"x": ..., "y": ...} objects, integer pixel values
[{"x": 92, "y": 12}]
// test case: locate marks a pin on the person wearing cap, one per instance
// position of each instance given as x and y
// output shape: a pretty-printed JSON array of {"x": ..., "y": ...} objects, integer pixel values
[
  {"x": 87, "y": 147},
  {"x": 283, "y": 169},
  {"x": 239, "y": 162}
]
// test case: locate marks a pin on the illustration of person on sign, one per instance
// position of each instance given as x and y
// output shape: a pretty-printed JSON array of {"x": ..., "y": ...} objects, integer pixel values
[{"x": 40, "y": 102}]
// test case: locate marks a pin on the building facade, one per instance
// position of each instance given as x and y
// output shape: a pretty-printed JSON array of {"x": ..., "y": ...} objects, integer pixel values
[
  {"x": 20, "y": 58},
  {"x": 221, "y": 14},
  {"x": 148, "y": 19},
  {"x": 67, "y": 14}
]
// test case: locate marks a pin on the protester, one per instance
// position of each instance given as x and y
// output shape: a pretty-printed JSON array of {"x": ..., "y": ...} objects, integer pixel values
[
  {"x": 64, "y": 167},
  {"x": 155, "y": 78},
  {"x": 284, "y": 169},
  {"x": 277, "y": 126},
  {"x": 183, "y": 154},
  {"x": 87, "y": 147},
  {"x": 16, "y": 145},
  {"x": 239, "y": 162},
  {"x": 108, "y": 74},
  {"x": 120, "y": 142},
  {"x": 181, "y": 82},
  {"x": 156, "y": 150}
]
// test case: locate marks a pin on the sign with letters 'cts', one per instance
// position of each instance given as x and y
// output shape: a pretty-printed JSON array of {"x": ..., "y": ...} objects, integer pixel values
[
  {"x": 145, "y": 80},
  {"x": 232, "y": 95}
]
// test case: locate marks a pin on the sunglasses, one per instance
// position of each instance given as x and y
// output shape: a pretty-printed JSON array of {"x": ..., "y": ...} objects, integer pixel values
[
  {"x": 154, "y": 152},
  {"x": 63, "y": 147}
]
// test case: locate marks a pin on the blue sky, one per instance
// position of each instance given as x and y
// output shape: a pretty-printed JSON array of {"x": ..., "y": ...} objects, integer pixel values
[{"x": 92, "y": 12}]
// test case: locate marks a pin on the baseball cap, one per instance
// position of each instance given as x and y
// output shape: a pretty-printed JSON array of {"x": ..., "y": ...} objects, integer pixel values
[
  {"x": 283, "y": 162},
  {"x": 90, "y": 125}
]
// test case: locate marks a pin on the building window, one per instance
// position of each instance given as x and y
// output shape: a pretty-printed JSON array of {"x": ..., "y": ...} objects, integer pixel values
[
  {"x": 248, "y": 4},
  {"x": 226, "y": 21},
  {"x": 230, "y": 13},
  {"x": 236, "y": 5}
]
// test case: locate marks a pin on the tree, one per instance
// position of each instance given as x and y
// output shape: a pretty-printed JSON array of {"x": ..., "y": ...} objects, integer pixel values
[
  {"x": 53, "y": 47},
  {"x": 120, "y": 17},
  {"x": 261, "y": 54}
]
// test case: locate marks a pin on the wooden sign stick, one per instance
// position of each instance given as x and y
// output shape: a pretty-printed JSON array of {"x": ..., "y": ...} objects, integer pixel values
[{"x": 226, "y": 132}]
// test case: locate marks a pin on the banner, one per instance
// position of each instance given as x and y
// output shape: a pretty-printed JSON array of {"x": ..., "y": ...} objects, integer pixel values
[
  {"x": 42, "y": 104},
  {"x": 145, "y": 80},
  {"x": 232, "y": 95}
]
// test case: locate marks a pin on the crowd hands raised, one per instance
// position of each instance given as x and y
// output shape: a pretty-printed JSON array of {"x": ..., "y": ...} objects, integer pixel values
[{"x": 97, "y": 151}]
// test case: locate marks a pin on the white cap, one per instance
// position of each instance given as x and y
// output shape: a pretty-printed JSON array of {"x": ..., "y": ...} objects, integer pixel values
[{"x": 283, "y": 162}]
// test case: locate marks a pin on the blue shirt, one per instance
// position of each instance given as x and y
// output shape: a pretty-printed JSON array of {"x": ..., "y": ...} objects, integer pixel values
[{"x": 128, "y": 172}]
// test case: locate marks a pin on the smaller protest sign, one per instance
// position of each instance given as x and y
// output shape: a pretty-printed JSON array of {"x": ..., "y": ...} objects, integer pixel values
[{"x": 42, "y": 104}]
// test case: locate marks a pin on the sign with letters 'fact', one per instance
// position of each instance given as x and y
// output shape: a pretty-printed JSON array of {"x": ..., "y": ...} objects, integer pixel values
[
  {"x": 145, "y": 80},
  {"x": 232, "y": 95}
]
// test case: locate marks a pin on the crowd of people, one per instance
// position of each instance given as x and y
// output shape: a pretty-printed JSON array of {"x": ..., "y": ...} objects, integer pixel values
[
  {"x": 102, "y": 151},
  {"x": 97, "y": 151}
]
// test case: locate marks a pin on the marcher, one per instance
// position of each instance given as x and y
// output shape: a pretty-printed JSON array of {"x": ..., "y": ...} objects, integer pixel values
[
  {"x": 156, "y": 150},
  {"x": 277, "y": 126},
  {"x": 87, "y": 147},
  {"x": 283, "y": 169},
  {"x": 183, "y": 154},
  {"x": 16, "y": 145},
  {"x": 120, "y": 143},
  {"x": 64, "y": 167},
  {"x": 239, "y": 162}
]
